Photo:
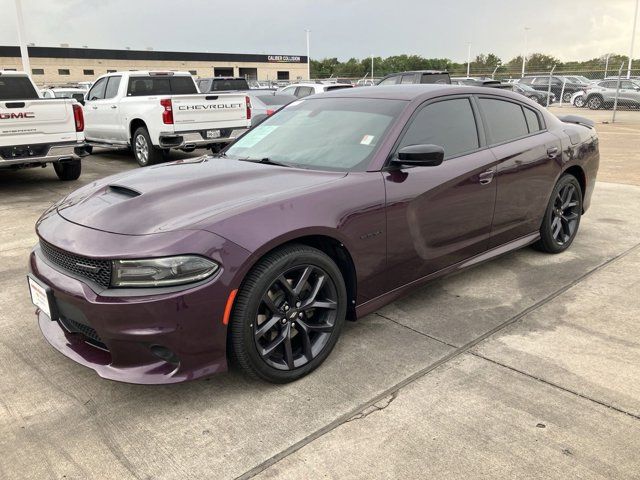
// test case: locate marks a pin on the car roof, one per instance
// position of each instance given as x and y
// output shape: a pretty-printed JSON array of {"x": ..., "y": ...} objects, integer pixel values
[{"x": 406, "y": 92}]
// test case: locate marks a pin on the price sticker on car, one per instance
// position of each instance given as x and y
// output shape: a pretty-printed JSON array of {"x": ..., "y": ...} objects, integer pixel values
[{"x": 39, "y": 296}]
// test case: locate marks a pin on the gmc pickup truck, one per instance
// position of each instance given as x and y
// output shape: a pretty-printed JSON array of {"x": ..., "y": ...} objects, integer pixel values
[
  {"x": 36, "y": 131},
  {"x": 152, "y": 112}
]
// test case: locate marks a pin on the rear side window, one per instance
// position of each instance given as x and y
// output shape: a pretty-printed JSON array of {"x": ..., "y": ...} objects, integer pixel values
[
  {"x": 112, "y": 87},
  {"x": 533, "y": 121},
  {"x": 435, "y": 78},
  {"x": 407, "y": 78},
  {"x": 505, "y": 120},
  {"x": 450, "y": 124},
  {"x": 97, "y": 91},
  {"x": 16, "y": 88}
]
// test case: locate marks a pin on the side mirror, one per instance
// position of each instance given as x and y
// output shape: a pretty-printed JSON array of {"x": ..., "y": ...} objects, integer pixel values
[{"x": 420, "y": 156}]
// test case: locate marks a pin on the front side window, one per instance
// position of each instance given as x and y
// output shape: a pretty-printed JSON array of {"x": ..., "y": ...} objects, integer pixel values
[
  {"x": 505, "y": 120},
  {"x": 304, "y": 92},
  {"x": 297, "y": 135},
  {"x": 449, "y": 124},
  {"x": 97, "y": 91},
  {"x": 112, "y": 87},
  {"x": 390, "y": 80}
]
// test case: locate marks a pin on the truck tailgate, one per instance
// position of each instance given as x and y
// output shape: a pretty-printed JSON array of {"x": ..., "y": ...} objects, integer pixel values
[
  {"x": 206, "y": 111},
  {"x": 37, "y": 121}
]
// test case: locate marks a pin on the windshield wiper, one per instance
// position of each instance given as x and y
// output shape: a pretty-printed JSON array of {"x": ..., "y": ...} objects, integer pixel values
[{"x": 265, "y": 160}]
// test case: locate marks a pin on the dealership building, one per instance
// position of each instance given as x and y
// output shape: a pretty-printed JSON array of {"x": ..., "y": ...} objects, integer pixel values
[{"x": 63, "y": 65}]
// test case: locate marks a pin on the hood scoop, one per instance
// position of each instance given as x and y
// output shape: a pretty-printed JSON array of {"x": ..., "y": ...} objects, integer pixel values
[{"x": 122, "y": 191}]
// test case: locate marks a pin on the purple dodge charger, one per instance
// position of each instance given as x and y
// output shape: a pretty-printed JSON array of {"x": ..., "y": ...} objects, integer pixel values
[{"x": 333, "y": 207}]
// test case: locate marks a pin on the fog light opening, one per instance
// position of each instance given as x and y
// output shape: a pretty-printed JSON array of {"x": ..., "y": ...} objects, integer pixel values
[{"x": 163, "y": 353}]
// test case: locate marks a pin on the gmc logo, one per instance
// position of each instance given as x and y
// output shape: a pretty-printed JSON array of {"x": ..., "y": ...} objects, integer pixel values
[{"x": 14, "y": 116}]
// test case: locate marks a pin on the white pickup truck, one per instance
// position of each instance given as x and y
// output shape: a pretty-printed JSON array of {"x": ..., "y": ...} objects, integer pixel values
[
  {"x": 152, "y": 112},
  {"x": 36, "y": 131}
]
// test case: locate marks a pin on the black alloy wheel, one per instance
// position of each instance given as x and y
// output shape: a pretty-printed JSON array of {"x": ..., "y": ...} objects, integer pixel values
[
  {"x": 567, "y": 97},
  {"x": 288, "y": 314},
  {"x": 562, "y": 218}
]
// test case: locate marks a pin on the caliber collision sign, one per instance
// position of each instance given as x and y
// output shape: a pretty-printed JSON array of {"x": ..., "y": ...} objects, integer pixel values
[{"x": 284, "y": 58}]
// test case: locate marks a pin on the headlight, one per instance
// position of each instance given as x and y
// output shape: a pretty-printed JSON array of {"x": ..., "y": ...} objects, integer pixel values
[{"x": 161, "y": 272}]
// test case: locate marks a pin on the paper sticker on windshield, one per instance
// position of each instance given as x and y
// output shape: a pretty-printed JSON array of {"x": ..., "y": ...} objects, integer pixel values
[
  {"x": 255, "y": 136},
  {"x": 367, "y": 140}
]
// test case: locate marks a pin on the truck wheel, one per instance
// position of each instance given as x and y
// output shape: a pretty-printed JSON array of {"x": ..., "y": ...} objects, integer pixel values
[
  {"x": 143, "y": 149},
  {"x": 68, "y": 170}
]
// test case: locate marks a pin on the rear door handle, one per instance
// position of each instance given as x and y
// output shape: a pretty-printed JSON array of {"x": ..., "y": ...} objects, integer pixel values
[
  {"x": 552, "y": 152},
  {"x": 486, "y": 177},
  {"x": 94, "y": 107}
]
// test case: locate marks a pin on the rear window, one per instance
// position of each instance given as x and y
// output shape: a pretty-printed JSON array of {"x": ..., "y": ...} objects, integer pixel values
[
  {"x": 143, "y": 86},
  {"x": 228, "y": 84},
  {"x": 16, "y": 88},
  {"x": 275, "y": 99}
]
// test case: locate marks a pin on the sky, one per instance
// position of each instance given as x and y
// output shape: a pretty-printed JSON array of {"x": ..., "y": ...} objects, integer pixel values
[{"x": 567, "y": 29}]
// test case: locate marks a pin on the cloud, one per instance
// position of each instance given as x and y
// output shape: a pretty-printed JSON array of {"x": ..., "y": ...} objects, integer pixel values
[{"x": 571, "y": 29}]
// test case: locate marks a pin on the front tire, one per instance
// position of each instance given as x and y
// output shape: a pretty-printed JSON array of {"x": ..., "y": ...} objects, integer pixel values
[
  {"x": 562, "y": 217},
  {"x": 67, "y": 171},
  {"x": 579, "y": 101},
  {"x": 288, "y": 314},
  {"x": 144, "y": 151}
]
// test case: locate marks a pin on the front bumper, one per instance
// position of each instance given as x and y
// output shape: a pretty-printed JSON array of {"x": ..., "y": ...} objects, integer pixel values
[
  {"x": 198, "y": 138},
  {"x": 116, "y": 331},
  {"x": 53, "y": 153}
]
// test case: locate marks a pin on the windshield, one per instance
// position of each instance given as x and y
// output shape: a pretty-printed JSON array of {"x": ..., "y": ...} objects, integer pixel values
[{"x": 338, "y": 134}]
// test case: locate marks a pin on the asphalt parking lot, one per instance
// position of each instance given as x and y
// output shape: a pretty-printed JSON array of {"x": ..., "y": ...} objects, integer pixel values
[{"x": 524, "y": 367}]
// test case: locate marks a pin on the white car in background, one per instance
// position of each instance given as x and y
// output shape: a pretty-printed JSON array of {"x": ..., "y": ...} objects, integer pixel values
[
  {"x": 300, "y": 90},
  {"x": 75, "y": 93}
]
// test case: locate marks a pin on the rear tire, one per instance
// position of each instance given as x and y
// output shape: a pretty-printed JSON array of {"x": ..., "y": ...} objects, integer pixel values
[
  {"x": 280, "y": 329},
  {"x": 562, "y": 216},
  {"x": 67, "y": 171},
  {"x": 144, "y": 151},
  {"x": 595, "y": 102}
]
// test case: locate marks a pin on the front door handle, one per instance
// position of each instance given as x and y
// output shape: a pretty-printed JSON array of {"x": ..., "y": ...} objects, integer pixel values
[
  {"x": 552, "y": 152},
  {"x": 94, "y": 107},
  {"x": 486, "y": 177},
  {"x": 114, "y": 106}
]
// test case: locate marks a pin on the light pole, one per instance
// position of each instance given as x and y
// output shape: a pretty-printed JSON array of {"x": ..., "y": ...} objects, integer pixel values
[
  {"x": 24, "y": 53},
  {"x": 633, "y": 37},
  {"x": 308, "y": 57},
  {"x": 606, "y": 65},
  {"x": 372, "y": 67},
  {"x": 524, "y": 54},
  {"x": 468, "y": 58}
]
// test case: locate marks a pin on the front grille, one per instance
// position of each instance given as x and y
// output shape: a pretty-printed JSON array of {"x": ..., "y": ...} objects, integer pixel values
[
  {"x": 98, "y": 271},
  {"x": 89, "y": 333}
]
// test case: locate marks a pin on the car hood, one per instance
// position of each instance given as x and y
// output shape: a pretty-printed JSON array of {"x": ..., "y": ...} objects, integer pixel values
[{"x": 184, "y": 194}]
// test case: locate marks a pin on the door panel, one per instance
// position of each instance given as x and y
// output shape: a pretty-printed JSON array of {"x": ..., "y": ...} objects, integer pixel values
[
  {"x": 438, "y": 216},
  {"x": 526, "y": 172}
]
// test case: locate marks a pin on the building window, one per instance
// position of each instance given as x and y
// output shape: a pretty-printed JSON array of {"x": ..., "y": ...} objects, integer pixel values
[
  {"x": 88, "y": 72},
  {"x": 37, "y": 71},
  {"x": 193, "y": 72},
  {"x": 111, "y": 71},
  {"x": 283, "y": 75},
  {"x": 9, "y": 69},
  {"x": 63, "y": 71}
]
